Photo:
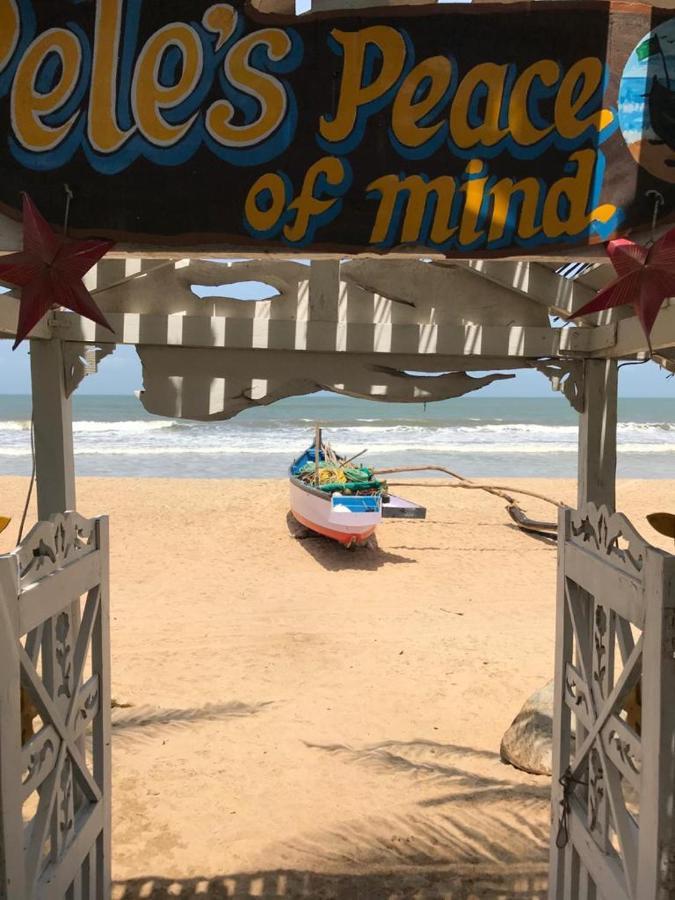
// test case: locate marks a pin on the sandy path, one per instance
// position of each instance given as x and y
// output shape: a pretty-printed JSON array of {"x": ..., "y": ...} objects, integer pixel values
[{"x": 312, "y": 722}]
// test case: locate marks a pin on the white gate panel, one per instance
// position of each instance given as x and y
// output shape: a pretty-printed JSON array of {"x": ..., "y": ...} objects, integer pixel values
[
  {"x": 613, "y": 825},
  {"x": 54, "y": 664}
]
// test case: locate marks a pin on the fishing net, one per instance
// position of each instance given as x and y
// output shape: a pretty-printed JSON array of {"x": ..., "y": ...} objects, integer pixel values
[{"x": 347, "y": 479}]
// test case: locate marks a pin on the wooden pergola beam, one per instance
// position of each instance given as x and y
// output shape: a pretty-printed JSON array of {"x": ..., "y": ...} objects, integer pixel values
[
  {"x": 631, "y": 340},
  {"x": 532, "y": 280},
  {"x": 9, "y": 318},
  {"x": 520, "y": 342}
]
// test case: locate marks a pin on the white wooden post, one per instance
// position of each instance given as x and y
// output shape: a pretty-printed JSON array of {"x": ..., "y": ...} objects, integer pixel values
[
  {"x": 53, "y": 423},
  {"x": 597, "y": 435},
  {"x": 53, "y": 430}
]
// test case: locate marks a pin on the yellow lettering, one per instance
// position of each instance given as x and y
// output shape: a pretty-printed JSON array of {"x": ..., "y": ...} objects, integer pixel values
[
  {"x": 10, "y": 28},
  {"x": 354, "y": 95},
  {"x": 580, "y": 83},
  {"x": 474, "y": 193},
  {"x": 149, "y": 97},
  {"x": 104, "y": 133},
  {"x": 576, "y": 190},
  {"x": 273, "y": 186},
  {"x": 267, "y": 90},
  {"x": 491, "y": 79},
  {"x": 307, "y": 205},
  {"x": 408, "y": 112},
  {"x": 522, "y": 129},
  {"x": 29, "y": 107},
  {"x": 222, "y": 20},
  {"x": 503, "y": 194},
  {"x": 417, "y": 194}
]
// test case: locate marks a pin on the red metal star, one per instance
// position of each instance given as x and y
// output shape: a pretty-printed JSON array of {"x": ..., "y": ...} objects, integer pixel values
[
  {"x": 49, "y": 270},
  {"x": 646, "y": 279}
]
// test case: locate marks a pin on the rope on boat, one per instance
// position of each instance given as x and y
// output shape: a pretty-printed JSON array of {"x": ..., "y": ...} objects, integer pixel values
[{"x": 513, "y": 508}]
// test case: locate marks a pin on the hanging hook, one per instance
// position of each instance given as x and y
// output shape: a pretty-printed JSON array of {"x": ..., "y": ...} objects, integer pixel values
[
  {"x": 69, "y": 197},
  {"x": 658, "y": 203}
]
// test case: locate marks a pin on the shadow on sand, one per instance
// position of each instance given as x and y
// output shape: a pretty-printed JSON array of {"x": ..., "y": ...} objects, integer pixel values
[
  {"x": 470, "y": 835},
  {"x": 336, "y": 558},
  {"x": 148, "y": 722},
  {"x": 528, "y": 884}
]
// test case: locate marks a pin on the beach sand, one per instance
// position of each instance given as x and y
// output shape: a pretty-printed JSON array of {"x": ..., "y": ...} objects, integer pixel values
[{"x": 307, "y": 721}]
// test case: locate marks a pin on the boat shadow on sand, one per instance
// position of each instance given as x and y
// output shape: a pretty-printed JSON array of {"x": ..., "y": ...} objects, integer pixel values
[{"x": 335, "y": 558}]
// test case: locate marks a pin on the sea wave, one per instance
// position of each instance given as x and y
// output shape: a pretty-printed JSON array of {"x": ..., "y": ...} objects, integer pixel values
[
  {"x": 288, "y": 451},
  {"x": 269, "y": 430},
  {"x": 139, "y": 426}
]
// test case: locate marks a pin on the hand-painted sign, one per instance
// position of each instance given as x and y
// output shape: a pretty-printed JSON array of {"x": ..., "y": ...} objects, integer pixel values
[{"x": 470, "y": 130}]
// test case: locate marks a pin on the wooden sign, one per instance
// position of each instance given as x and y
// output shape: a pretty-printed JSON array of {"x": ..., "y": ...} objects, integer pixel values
[{"x": 468, "y": 130}]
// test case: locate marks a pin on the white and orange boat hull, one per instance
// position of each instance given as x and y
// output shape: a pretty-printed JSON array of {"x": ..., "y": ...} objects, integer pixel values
[{"x": 322, "y": 514}]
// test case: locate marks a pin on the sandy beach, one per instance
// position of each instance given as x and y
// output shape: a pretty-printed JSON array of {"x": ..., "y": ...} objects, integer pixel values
[{"x": 306, "y": 721}]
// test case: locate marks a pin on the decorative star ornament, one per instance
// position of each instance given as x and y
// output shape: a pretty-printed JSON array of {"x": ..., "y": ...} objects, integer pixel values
[
  {"x": 646, "y": 279},
  {"x": 49, "y": 270}
]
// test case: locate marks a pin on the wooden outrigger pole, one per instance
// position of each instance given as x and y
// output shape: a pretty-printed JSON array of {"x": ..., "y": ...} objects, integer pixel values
[{"x": 317, "y": 452}]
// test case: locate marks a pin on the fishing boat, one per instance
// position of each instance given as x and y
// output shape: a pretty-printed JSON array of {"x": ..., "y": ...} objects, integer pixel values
[{"x": 341, "y": 500}]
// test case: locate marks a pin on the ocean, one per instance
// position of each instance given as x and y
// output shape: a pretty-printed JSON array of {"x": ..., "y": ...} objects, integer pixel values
[{"x": 532, "y": 437}]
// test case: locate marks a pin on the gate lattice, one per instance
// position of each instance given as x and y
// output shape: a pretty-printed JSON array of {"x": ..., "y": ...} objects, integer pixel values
[
  {"x": 55, "y": 789},
  {"x": 613, "y": 772}
]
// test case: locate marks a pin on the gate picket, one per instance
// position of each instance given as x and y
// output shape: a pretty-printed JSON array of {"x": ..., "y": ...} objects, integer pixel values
[
  {"x": 47, "y": 789},
  {"x": 613, "y": 780}
]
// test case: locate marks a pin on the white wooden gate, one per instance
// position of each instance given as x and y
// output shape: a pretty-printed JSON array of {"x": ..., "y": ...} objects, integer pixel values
[
  {"x": 613, "y": 834},
  {"x": 55, "y": 789}
]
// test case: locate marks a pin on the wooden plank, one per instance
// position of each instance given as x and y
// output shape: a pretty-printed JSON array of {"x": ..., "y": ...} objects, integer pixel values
[
  {"x": 605, "y": 867},
  {"x": 80, "y": 653},
  {"x": 37, "y": 750},
  {"x": 628, "y": 678},
  {"x": 531, "y": 280},
  {"x": 631, "y": 340},
  {"x": 522, "y": 342},
  {"x": 101, "y": 740},
  {"x": 38, "y": 756},
  {"x": 624, "y": 824},
  {"x": 562, "y": 732},
  {"x": 622, "y": 744},
  {"x": 597, "y": 435},
  {"x": 41, "y": 823},
  {"x": 611, "y": 587},
  {"x": 324, "y": 291},
  {"x": 569, "y": 886},
  {"x": 579, "y": 709},
  {"x": 89, "y": 875},
  {"x": 12, "y": 876},
  {"x": 656, "y": 862},
  {"x": 54, "y": 593},
  {"x": 56, "y": 878},
  {"x": 9, "y": 318},
  {"x": 48, "y": 711},
  {"x": 53, "y": 421},
  {"x": 602, "y": 667}
]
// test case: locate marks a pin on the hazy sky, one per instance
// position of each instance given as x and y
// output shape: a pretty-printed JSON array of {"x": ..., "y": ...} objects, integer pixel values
[{"x": 121, "y": 374}]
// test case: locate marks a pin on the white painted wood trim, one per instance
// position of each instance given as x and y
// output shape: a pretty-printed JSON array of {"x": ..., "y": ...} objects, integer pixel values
[
  {"x": 656, "y": 864},
  {"x": 217, "y": 332},
  {"x": 12, "y": 873},
  {"x": 53, "y": 423},
  {"x": 597, "y": 435},
  {"x": 631, "y": 340}
]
